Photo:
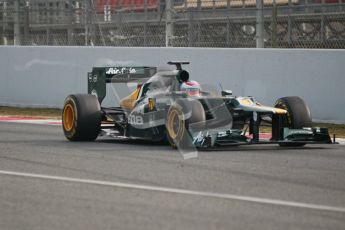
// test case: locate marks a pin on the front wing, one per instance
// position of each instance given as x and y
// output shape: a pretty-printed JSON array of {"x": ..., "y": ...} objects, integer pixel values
[{"x": 213, "y": 138}]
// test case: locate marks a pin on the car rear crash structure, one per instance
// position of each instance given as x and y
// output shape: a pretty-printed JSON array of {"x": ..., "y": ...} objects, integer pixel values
[{"x": 159, "y": 111}]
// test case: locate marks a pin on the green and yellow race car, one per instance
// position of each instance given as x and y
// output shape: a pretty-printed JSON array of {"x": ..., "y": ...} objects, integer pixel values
[{"x": 168, "y": 106}]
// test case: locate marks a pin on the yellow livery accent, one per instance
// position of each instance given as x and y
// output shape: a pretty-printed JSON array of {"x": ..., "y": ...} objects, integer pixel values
[
  {"x": 246, "y": 101},
  {"x": 128, "y": 102},
  {"x": 152, "y": 104},
  {"x": 280, "y": 111}
]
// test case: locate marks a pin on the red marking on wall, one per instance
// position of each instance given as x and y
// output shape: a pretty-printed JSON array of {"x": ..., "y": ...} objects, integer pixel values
[
  {"x": 262, "y": 136},
  {"x": 20, "y": 118},
  {"x": 30, "y": 120}
]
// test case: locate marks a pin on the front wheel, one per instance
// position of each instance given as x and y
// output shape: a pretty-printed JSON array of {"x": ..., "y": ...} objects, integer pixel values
[
  {"x": 298, "y": 115},
  {"x": 81, "y": 117},
  {"x": 181, "y": 116}
]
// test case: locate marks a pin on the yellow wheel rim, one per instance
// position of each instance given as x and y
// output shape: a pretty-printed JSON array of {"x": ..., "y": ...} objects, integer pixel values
[
  {"x": 68, "y": 117},
  {"x": 174, "y": 124}
]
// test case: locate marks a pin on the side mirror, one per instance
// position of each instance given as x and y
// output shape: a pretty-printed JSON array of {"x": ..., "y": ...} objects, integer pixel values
[{"x": 226, "y": 93}]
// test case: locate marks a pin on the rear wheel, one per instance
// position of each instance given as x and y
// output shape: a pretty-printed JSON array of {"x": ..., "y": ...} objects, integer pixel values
[
  {"x": 181, "y": 116},
  {"x": 81, "y": 117},
  {"x": 298, "y": 115}
]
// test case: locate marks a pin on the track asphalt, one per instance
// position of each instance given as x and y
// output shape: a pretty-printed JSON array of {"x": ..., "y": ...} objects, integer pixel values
[{"x": 47, "y": 182}]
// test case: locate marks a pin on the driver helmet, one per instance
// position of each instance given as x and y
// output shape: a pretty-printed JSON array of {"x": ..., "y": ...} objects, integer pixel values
[{"x": 192, "y": 88}]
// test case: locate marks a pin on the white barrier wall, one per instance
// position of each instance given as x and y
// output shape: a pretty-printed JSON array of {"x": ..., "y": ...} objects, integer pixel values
[{"x": 44, "y": 76}]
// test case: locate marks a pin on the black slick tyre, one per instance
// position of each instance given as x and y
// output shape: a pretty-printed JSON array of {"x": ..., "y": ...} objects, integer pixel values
[
  {"x": 298, "y": 115},
  {"x": 81, "y": 117},
  {"x": 182, "y": 115}
]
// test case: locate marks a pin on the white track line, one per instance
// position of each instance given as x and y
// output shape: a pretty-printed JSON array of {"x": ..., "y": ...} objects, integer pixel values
[{"x": 179, "y": 191}]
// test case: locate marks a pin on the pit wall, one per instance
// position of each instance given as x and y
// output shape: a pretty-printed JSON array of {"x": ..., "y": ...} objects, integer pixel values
[{"x": 44, "y": 76}]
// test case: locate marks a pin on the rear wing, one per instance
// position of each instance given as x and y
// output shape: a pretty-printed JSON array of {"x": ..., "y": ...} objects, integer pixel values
[{"x": 100, "y": 76}]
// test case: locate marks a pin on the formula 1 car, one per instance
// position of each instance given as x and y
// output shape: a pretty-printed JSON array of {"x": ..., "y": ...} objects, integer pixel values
[{"x": 159, "y": 111}]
